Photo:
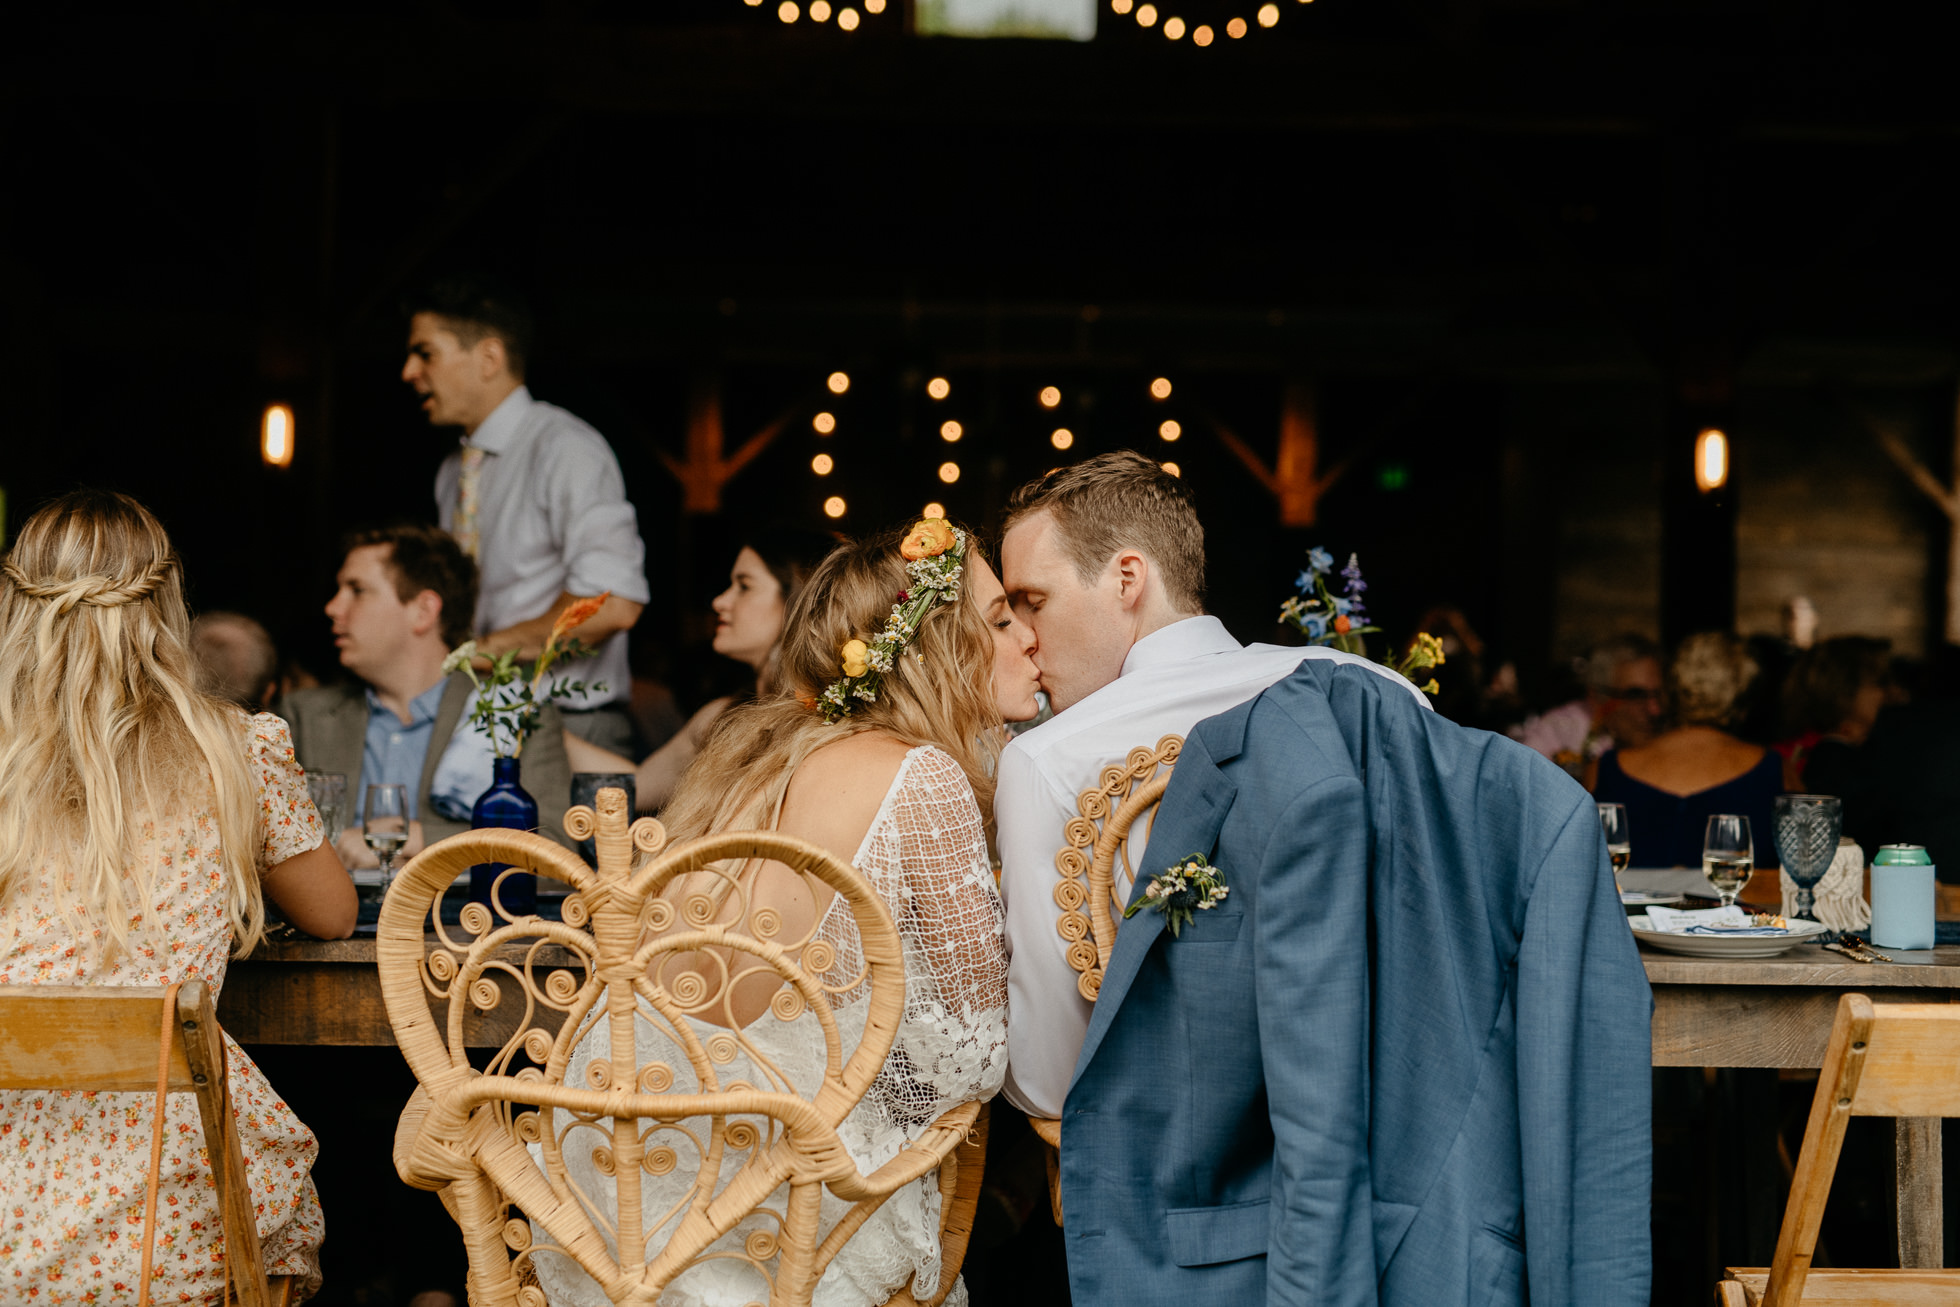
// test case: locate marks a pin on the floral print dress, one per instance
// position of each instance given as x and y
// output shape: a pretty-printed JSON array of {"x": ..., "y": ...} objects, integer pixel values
[{"x": 74, "y": 1165}]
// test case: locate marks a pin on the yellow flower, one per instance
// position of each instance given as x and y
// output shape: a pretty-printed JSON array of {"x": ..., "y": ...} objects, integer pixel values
[
  {"x": 928, "y": 538},
  {"x": 853, "y": 653}
]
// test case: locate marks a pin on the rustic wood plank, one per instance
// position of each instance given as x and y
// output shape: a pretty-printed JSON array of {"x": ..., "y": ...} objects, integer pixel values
[
  {"x": 1920, "y": 1205},
  {"x": 1752, "y": 1025},
  {"x": 85, "y": 1037},
  {"x": 1808, "y": 965},
  {"x": 1881, "y": 1288}
]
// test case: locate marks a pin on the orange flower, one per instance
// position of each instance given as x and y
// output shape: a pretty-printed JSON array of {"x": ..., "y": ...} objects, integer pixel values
[
  {"x": 1342, "y": 625},
  {"x": 928, "y": 538},
  {"x": 575, "y": 615}
]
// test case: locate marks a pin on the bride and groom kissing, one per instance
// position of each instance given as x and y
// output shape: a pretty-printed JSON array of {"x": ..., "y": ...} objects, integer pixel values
[{"x": 1402, "y": 1057}]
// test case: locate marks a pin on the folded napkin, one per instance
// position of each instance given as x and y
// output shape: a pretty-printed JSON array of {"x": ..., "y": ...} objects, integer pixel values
[
  {"x": 1708, "y": 921},
  {"x": 1840, "y": 895}
]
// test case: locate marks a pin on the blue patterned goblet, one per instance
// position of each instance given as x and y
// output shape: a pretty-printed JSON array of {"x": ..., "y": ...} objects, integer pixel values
[{"x": 1807, "y": 829}]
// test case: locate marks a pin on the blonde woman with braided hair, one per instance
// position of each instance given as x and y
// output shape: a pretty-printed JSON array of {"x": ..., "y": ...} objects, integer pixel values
[
  {"x": 879, "y": 747},
  {"x": 142, "y": 826}
]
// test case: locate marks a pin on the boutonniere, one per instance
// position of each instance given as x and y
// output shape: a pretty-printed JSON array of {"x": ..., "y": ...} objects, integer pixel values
[{"x": 1182, "y": 891}]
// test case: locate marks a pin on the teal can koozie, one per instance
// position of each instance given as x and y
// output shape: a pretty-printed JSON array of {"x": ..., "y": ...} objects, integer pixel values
[{"x": 1902, "y": 897}]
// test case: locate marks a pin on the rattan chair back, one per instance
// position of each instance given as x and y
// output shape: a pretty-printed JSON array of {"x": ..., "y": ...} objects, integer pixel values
[
  {"x": 1095, "y": 867},
  {"x": 661, "y": 945}
]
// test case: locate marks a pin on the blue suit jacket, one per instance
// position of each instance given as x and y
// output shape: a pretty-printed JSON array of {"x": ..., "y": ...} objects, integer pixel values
[{"x": 1406, "y": 1061}]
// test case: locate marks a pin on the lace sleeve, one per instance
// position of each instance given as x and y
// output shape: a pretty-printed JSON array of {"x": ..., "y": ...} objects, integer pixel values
[{"x": 928, "y": 856}]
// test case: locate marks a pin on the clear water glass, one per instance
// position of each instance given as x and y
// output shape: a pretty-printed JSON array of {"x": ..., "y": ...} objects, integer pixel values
[
  {"x": 385, "y": 827},
  {"x": 1807, "y": 830},
  {"x": 1619, "y": 842},
  {"x": 328, "y": 790},
  {"x": 1728, "y": 854}
]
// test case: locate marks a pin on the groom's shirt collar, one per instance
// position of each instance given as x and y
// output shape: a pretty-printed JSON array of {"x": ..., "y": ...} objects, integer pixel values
[{"x": 1192, "y": 637}]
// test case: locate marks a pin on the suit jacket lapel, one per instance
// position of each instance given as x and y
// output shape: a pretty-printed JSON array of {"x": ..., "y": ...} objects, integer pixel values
[
  {"x": 449, "y": 711},
  {"x": 1192, "y": 814}
]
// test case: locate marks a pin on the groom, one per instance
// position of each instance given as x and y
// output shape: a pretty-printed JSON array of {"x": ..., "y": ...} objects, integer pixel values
[{"x": 1405, "y": 1060}]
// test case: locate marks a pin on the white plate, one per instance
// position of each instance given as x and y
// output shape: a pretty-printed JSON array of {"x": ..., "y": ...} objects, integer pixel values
[
  {"x": 1716, "y": 946},
  {"x": 1633, "y": 898}
]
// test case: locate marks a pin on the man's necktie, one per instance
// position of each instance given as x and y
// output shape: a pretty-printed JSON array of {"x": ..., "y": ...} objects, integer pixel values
[{"x": 466, "y": 500}]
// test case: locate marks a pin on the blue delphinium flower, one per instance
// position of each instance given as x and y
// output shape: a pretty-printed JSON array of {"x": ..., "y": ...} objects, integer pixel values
[
  {"x": 1355, "y": 587},
  {"x": 1319, "y": 560},
  {"x": 1304, "y": 583},
  {"x": 1315, "y": 625}
]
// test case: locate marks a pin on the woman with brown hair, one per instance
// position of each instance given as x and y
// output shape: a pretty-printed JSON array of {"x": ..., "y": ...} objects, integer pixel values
[
  {"x": 1675, "y": 782},
  {"x": 900, "y": 661},
  {"x": 143, "y": 824}
]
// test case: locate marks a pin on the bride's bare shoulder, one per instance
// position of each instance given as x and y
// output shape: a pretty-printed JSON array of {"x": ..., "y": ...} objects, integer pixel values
[{"x": 838, "y": 789}]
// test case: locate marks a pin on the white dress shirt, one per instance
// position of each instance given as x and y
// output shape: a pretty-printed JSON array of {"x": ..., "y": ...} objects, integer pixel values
[
  {"x": 552, "y": 517},
  {"x": 1172, "y": 679}
]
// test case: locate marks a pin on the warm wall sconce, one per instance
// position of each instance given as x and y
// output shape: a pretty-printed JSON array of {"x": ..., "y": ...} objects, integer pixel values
[
  {"x": 276, "y": 436},
  {"x": 1711, "y": 460}
]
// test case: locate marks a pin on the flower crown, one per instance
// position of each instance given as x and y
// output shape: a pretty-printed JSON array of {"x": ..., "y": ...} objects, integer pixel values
[{"x": 935, "y": 557}]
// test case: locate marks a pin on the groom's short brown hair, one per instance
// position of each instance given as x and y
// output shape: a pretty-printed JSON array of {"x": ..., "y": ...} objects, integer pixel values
[{"x": 1122, "y": 500}]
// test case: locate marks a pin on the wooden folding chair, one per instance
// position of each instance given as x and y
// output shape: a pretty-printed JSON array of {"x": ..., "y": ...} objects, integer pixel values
[
  {"x": 469, "y": 1133},
  {"x": 1091, "y": 893},
  {"x": 1885, "y": 1059},
  {"x": 106, "y": 1038}
]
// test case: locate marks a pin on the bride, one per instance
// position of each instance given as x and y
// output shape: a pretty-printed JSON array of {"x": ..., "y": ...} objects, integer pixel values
[{"x": 880, "y": 749}]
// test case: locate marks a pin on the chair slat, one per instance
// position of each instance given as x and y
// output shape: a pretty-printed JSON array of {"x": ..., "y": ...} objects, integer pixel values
[
  {"x": 88, "y": 1037},
  {"x": 1875, "y": 1288},
  {"x": 1913, "y": 1065}
]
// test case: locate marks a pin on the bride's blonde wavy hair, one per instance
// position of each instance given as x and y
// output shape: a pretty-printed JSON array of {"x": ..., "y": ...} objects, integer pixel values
[
  {"x": 102, "y": 728},
  {"x": 744, "y": 767}
]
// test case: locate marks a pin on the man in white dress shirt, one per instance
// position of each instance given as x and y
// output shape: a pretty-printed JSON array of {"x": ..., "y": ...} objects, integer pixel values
[
  {"x": 532, "y": 493},
  {"x": 1105, "y": 560}
]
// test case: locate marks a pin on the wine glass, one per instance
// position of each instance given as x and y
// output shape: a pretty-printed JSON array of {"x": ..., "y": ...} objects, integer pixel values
[
  {"x": 1807, "y": 830},
  {"x": 329, "y": 793},
  {"x": 386, "y": 827},
  {"x": 1728, "y": 854},
  {"x": 1619, "y": 843}
]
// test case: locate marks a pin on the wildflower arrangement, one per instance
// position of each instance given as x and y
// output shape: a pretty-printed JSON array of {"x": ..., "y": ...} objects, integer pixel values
[
  {"x": 934, "y": 551},
  {"x": 507, "y": 705},
  {"x": 1181, "y": 892},
  {"x": 1341, "y": 620}
]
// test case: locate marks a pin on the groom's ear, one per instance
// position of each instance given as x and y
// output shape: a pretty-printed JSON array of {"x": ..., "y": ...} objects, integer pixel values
[{"x": 1132, "y": 570}]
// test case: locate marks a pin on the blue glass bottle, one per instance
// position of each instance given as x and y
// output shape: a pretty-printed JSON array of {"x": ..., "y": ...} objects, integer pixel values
[{"x": 505, "y": 805}]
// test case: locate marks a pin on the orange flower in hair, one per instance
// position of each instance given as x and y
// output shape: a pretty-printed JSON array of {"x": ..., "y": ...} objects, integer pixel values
[
  {"x": 575, "y": 615},
  {"x": 928, "y": 538}
]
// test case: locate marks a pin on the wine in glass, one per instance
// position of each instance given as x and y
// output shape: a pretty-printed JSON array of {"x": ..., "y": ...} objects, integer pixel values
[
  {"x": 1619, "y": 843},
  {"x": 386, "y": 827},
  {"x": 1807, "y": 830},
  {"x": 1728, "y": 854}
]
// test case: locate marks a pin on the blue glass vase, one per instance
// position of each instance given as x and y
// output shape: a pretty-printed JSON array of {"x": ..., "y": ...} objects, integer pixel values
[{"x": 506, "y": 805}]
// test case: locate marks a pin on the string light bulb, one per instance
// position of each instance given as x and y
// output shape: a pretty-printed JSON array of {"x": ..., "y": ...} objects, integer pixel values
[
  {"x": 1174, "y": 469},
  {"x": 949, "y": 472},
  {"x": 874, "y": 6},
  {"x": 834, "y": 506},
  {"x": 276, "y": 436},
  {"x": 950, "y": 431},
  {"x": 819, "y": 11},
  {"x": 847, "y": 19},
  {"x": 1268, "y": 15},
  {"x": 1160, "y": 388},
  {"x": 825, "y": 423},
  {"x": 1170, "y": 430},
  {"x": 1146, "y": 15},
  {"x": 1711, "y": 460},
  {"x": 1235, "y": 29},
  {"x": 1201, "y": 36},
  {"x": 1050, "y": 397},
  {"x": 822, "y": 464},
  {"x": 1062, "y": 438},
  {"x": 838, "y": 382},
  {"x": 787, "y": 11},
  {"x": 1121, "y": 6},
  {"x": 939, "y": 388},
  {"x": 1174, "y": 28}
]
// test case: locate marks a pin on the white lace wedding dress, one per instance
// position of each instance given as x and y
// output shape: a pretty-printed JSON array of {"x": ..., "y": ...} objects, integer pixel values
[{"x": 926, "y": 855}]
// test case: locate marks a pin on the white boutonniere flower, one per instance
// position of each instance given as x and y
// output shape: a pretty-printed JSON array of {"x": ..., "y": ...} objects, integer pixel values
[{"x": 1182, "y": 891}]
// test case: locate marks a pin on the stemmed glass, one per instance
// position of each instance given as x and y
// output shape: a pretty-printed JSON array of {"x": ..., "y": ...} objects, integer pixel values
[
  {"x": 1728, "y": 854},
  {"x": 386, "y": 827},
  {"x": 1807, "y": 830},
  {"x": 328, "y": 790},
  {"x": 1619, "y": 843}
]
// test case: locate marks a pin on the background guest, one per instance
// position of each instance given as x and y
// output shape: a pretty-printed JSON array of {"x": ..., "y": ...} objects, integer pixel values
[
  {"x": 1831, "y": 701},
  {"x": 236, "y": 660},
  {"x": 1621, "y": 708},
  {"x": 143, "y": 824},
  {"x": 769, "y": 572},
  {"x": 1675, "y": 782},
  {"x": 532, "y": 494},
  {"x": 403, "y": 601}
]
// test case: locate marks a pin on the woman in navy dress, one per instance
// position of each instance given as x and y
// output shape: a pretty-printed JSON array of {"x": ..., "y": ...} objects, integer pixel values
[{"x": 1695, "y": 769}]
